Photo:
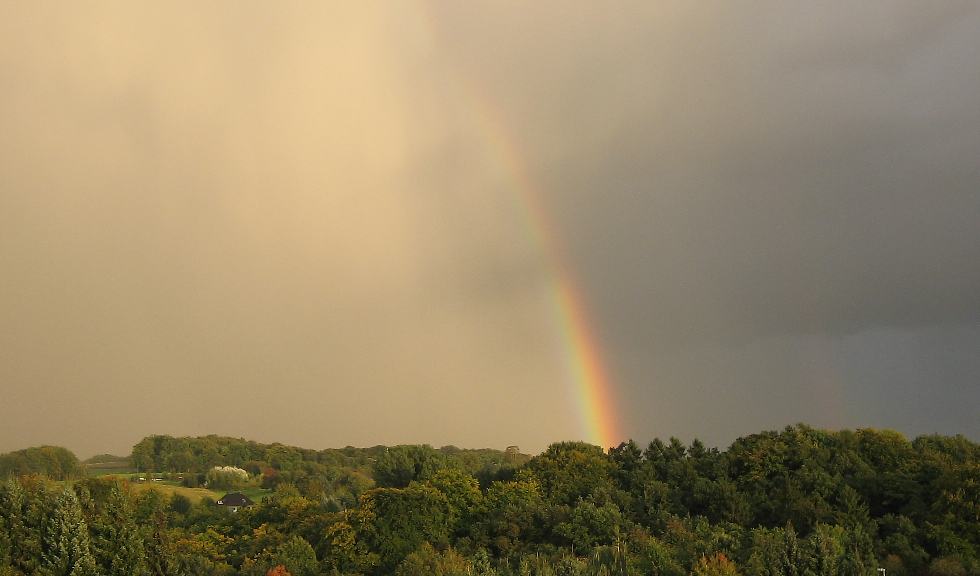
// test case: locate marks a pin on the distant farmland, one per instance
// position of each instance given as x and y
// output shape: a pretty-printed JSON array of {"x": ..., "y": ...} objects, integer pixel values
[{"x": 121, "y": 467}]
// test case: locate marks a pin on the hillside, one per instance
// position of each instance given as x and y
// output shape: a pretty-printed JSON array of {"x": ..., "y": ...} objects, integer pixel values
[
  {"x": 52, "y": 461},
  {"x": 107, "y": 464}
]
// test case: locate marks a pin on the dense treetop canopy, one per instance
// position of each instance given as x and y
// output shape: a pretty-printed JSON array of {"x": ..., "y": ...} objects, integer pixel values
[{"x": 799, "y": 501}]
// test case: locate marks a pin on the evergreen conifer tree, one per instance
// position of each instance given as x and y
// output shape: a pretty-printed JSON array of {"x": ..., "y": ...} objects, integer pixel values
[
  {"x": 121, "y": 548},
  {"x": 7, "y": 518},
  {"x": 66, "y": 540},
  {"x": 18, "y": 543},
  {"x": 37, "y": 507},
  {"x": 159, "y": 558}
]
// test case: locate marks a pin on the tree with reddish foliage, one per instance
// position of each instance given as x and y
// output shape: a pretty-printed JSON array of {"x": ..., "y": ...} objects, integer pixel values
[
  {"x": 270, "y": 477},
  {"x": 279, "y": 570},
  {"x": 715, "y": 565}
]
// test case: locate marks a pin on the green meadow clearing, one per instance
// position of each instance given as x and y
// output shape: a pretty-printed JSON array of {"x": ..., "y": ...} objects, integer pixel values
[
  {"x": 125, "y": 473},
  {"x": 169, "y": 488}
]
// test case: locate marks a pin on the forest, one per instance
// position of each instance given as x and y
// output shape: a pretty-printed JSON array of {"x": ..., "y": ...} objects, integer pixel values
[{"x": 797, "y": 502}]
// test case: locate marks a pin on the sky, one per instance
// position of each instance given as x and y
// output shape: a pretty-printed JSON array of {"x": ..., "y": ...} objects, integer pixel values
[{"x": 332, "y": 224}]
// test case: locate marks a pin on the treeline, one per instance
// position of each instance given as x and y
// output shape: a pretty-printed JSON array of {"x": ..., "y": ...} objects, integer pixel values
[
  {"x": 343, "y": 474},
  {"x": 107, "y": 461},
  {"x": 798, "y": 502},
  {"x": 169, "y": 454},
  {"x": 54, "y": 462}
]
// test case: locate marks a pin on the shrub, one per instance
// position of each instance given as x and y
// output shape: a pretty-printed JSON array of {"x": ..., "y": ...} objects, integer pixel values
[{"x": 226, "y": 477}]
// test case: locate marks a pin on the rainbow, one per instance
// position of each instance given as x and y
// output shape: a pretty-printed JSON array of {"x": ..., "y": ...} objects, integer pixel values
[{"x": 592, "y": 387}]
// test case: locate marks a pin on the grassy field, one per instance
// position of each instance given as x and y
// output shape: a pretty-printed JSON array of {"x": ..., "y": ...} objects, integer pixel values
[
  {"x": 194, "y": 494},
  {"x": 118, "y": 467},
  {"x": 169, "y": 488}
]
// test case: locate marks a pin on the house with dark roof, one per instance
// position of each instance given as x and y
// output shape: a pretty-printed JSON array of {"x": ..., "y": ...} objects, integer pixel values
[{"x": 235, "y": 501}]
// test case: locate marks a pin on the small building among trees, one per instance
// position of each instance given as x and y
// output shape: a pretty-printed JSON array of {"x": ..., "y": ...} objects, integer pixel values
[{"x": 235, "y": 501}]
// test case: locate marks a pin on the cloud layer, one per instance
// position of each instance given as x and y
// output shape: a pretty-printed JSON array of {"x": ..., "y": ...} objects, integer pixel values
[{"x": 290, "y": 224}]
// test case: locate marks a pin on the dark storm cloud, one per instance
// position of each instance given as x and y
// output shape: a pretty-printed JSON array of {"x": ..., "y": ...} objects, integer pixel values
[
  {"x": 784, "y": 169},
  {"x": 739, "y": 182}
]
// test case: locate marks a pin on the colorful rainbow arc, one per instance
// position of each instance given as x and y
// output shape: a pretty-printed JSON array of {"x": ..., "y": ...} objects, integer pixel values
[{"x": 593, "y": 389}]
